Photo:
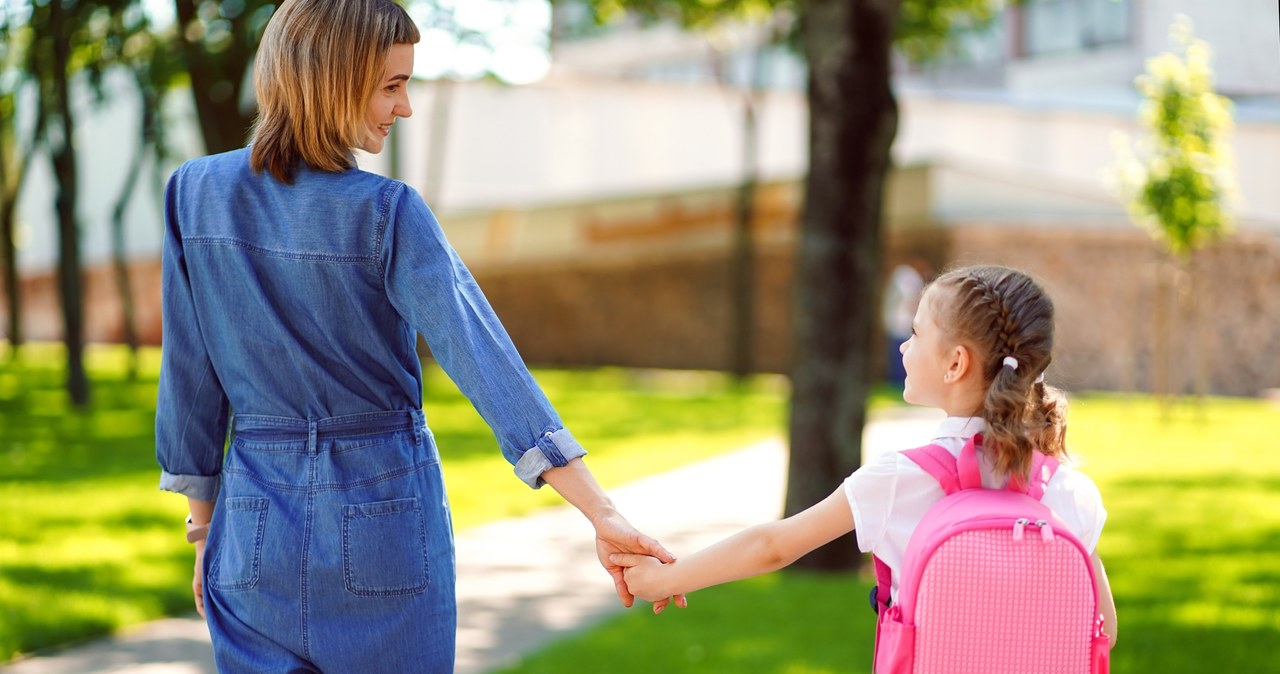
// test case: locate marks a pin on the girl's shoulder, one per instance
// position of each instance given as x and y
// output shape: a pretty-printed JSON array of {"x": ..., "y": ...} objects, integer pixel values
[{"x": 1071, "y": 482}]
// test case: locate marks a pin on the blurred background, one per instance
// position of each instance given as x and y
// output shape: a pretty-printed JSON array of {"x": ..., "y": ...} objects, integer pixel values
[
  {"x": 614, "y": 154},
  {"x": 656, "y": 186}
]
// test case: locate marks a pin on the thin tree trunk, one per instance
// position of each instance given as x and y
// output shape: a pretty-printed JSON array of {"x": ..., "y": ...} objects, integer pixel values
[
  {"x": 120, "y": 263},
  {"x": 853, "y": 120},
  {"x": 64, "y": 165},
  {"x": 217, "y": 80},
  {"x": 8, "y": 238},
  {"x": 742, "y": 266},
  {"x": 9, "y": 258},
  {"x": 438, "y": 128},
  {"x": 1195, "y": 279},
  {"x": 1163, "y": 333}
]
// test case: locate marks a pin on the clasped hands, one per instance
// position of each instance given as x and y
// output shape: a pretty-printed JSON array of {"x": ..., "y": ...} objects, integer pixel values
[{"x": 632, "y": 558}]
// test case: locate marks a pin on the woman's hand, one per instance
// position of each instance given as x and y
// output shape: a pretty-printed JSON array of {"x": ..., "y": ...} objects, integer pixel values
[
  {"x": 197, "y": 581},
  {"x": 615, "y": 537}
]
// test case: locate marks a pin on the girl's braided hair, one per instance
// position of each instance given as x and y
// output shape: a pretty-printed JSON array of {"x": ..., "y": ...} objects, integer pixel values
[{"x": 1000, "y": 312}]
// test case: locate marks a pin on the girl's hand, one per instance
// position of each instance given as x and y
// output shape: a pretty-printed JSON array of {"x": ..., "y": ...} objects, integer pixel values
[
  {"x": 616, "y": 536},
  {"x": 645, "y": 578}
]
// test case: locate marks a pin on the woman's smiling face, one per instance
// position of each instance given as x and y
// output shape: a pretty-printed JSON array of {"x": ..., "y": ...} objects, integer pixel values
[{"x": 390, "y": 99}]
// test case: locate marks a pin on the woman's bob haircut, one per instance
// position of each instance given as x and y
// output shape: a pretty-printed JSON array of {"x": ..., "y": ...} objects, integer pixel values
[{"x": 317, "y": 66}]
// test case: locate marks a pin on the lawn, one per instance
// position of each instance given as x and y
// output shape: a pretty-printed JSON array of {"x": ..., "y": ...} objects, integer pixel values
[
  {"x": 88, "y": 543},
  {"x": 1192, "y": 547}
]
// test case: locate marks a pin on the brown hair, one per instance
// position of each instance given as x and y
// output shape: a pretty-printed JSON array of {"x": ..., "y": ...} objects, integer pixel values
[
  {"x": 1000, "y": 312},
  {"x": 317, "y": 66}
]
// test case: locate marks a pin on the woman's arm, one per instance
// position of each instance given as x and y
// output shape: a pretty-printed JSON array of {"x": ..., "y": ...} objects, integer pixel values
[
  {"x": 1106, "y": 603},
  {"x": 750, "y": 552}
]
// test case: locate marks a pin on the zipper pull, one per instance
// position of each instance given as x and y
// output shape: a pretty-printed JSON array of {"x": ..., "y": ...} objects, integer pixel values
[
  {"x": 1018, "y": 525},
  {"x": 1046, "y": 531}
]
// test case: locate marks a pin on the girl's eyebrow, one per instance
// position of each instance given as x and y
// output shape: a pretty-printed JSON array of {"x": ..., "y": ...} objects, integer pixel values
[{"x": 397, "y": 78}]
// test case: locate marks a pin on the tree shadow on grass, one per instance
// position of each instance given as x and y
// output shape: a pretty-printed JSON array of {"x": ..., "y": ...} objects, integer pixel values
[
  {"x": 1193, "y": 597},
  {"x": 52, "y": 605}
]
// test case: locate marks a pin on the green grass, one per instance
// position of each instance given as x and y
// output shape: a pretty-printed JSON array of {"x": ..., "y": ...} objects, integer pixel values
[
  {"x": 88, "y": 543},
  {"x": 1192, "y": 548}
]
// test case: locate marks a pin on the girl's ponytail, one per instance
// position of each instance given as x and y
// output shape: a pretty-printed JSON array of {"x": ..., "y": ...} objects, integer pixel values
[{"x": 1008, "y": 321}]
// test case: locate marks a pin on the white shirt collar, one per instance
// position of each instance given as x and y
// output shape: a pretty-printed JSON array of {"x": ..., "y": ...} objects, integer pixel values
[{"x": 960, "y": 427}]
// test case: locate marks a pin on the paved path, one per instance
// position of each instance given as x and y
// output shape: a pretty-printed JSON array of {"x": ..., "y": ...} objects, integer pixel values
[{"x": 509, "y": 605}]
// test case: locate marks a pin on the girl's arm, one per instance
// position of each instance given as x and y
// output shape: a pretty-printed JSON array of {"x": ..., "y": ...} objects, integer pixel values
[
  {"x": 750, "y": 552},
  {"x": 1105, "y": 601}
]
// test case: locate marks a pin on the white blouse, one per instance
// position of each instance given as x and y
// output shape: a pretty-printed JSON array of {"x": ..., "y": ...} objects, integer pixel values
[{"x": 891, "y": 494}]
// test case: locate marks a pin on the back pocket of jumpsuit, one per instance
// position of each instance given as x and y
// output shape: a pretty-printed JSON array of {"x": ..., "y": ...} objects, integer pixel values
[
  {"x": 384, "y": 548},
  {"x": 239, "y": 555}
]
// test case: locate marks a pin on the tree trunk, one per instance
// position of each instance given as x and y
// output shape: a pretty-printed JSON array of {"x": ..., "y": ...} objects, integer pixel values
[
  {"x": 853, "y": 120},
  {"x": 119, "y": 261},
  {"x": 64, "y": 166},
  {"x": 742, "y": 266},
  {"x": 8, "y": 237},
  {"x": 218, "y": 78},
  {"x": 9, "y": 258},
  {"x": 438, "y": 130}
]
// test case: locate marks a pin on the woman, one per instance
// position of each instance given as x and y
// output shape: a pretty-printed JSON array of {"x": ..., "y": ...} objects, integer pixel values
[{"x": 294, "y": 286}]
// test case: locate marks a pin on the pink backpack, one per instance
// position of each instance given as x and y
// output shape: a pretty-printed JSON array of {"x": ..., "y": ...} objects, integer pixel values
[{"x": 992, "y": 582}]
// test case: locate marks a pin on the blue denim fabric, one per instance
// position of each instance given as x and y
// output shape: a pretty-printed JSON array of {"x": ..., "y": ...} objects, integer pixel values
[
  {"x": 297, "y": 307},
  {"x": 302, "y": 301},
  {"x": 331, "y": 548}
]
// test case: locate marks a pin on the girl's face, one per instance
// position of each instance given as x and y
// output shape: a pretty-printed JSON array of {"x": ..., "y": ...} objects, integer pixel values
[
  {"x": 390, "y": 99},
  {"x": 924, "y": 357}
]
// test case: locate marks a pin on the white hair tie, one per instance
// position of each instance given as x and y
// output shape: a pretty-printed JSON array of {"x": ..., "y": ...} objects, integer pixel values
[{"x": 1010, "y": 361}]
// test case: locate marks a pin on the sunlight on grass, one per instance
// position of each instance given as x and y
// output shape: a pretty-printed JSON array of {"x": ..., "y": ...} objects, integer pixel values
[
  {"x": 1192, "y": 548},
  {"x": 777, "y": 623}
]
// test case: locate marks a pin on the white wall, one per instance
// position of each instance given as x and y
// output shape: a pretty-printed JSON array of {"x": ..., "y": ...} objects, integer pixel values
[
  {"x": 567, "y": 140},
  {"x": 1242, "y": 33},
  {"x": 106, "y": 138},
  {"x": 1050, "y": 144}
]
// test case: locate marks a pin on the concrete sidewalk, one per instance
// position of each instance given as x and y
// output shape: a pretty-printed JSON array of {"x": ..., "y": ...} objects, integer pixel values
[{"x": 525, "y": 582}]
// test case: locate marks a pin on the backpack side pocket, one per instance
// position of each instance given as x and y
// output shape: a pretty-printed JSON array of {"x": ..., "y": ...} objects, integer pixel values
[{"x": 895, "y": 643}]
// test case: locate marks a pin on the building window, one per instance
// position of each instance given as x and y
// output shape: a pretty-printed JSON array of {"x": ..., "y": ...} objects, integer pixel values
[{"x": 1057, "y": 26}]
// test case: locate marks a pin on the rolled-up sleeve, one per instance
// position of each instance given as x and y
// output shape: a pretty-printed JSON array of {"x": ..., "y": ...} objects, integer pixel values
[
  {"x": 435, "y": 293},
  {"x": 191, "y": 408}
]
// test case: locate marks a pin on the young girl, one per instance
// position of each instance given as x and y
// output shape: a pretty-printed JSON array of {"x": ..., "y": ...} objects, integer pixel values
[
  {"x": 980, "y": 342},
  {"x": 293, "y": 286}
]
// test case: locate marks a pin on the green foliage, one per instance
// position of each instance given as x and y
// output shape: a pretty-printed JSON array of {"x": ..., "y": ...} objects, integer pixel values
[
  {"x": 924, "y": 26},
  {"x": 1191, "y": 549},
  {"x": 1178, "y": 182}
]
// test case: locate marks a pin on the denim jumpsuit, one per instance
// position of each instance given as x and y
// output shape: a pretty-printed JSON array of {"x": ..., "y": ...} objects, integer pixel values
[{"x": 290, "y": 321}]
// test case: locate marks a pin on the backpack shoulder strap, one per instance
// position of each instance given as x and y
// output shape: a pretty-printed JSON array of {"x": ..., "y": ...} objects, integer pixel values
[
  {"x": 884, "y": 581},
  {"x": 952, "y": 474},
  {"x": 939, "y": 463},
  {"x": 1042, "y": 469}
]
